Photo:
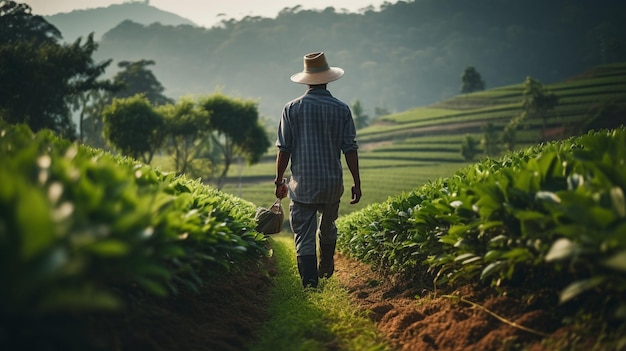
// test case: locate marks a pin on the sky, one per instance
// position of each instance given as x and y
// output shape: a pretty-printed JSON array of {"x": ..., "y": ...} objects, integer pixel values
[{"x": 207, "y": 12}]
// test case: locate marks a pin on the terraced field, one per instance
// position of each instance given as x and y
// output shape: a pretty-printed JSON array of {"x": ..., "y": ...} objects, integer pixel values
[{"x": 404, "y": 150}]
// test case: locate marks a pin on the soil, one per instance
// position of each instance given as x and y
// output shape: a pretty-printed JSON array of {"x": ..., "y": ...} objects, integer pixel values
[
  {"x": 227, "y": 313},
  {"x": 224, "y": 316},
  {"x": 414, "y": 317}
]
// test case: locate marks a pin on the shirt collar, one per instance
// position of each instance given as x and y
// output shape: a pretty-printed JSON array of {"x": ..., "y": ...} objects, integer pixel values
[{"x": 317, "y": 91}]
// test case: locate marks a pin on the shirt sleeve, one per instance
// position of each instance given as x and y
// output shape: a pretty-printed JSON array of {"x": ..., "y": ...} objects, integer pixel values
[
  {"x": 284, "y": 136},
  {"x": 349, "y": 134}
]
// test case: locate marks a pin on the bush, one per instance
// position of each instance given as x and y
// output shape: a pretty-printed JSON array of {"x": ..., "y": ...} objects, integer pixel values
[
  {"x": 79, "y": 227},
  {"x": 552, "y": 215}
]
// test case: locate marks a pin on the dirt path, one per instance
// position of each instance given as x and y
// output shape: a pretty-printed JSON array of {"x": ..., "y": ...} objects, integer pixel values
[
  {"x": 415, "y": 318},
  {"x": 227, "y": 313}
]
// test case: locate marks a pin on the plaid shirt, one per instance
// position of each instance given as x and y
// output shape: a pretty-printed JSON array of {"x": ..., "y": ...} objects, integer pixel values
[{"x": 315, "y": 128}]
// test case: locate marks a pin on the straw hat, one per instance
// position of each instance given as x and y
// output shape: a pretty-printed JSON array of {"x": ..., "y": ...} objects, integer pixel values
[{"x": 316, "y": 70}]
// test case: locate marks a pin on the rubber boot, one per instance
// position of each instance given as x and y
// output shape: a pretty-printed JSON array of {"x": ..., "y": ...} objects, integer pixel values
[
  {"x": 327, "y": 260},
  {"x": 307, "y": 267}
]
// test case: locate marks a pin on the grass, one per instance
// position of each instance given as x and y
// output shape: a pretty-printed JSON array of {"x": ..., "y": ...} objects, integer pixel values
[
  {"x": 382, "y": 176},
  {"x": 312, "y": 320}
]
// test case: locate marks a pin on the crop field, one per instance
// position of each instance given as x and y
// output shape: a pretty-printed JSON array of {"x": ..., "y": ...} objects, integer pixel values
[
  {"x": 109, "y": 229},
  {"x": 551, "y": 213},
  {"x": 604, "y": 85},
  {"x": 381, "y": 177},
  {"x": 402, "y": 151}
]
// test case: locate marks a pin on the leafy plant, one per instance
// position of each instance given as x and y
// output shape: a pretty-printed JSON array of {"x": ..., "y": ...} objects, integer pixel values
[
  {"x": 552, "y": 215},
  {"x": 80, "y": 229}
]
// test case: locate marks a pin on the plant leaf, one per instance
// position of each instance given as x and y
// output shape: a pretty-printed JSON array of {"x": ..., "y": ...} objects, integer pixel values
[
  {"x": 578, "y": 287},
  {"x": 617, "y": 198},
  {"x": 617, "y": 261},
  {"x": 562, "y": 249}
]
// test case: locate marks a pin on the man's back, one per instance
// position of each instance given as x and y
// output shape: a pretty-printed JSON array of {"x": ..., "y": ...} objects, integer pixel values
[{"x": 315, "y": 128}]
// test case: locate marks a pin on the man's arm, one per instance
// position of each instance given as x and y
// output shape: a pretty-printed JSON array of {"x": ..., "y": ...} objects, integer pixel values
[
  {"x": 282, "y": 160},
  {"x": 352, "y": 159}
]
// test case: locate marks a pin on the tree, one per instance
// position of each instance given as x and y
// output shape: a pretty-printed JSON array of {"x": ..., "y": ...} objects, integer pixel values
[
  {"x": 136, "y": 78},
  {"x": 235, "y": 130},
  {"x": 40, "y": 78},
  {"x": 92, "y": 133},
  {"x": 134, "y": 127},
  {"x": 537, "y": 101},
  {"x": 86, "y": 102},
  {"x": 188, "y": 133},
  {"x": 361, "y": 120},
  {"x": 489, "y": 141},
  {"x": 381, "y": 111},
  {"x": 471, "y": 81},
  {"x": 19, "y": 25},
  {"x": 468, "y": 148},
  {"x": 509, "y": 135}
]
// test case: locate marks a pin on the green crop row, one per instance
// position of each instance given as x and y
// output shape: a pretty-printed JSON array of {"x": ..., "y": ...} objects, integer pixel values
[
  {"x": 553, "y": 215},
  {"x": 79, "y": 227}
]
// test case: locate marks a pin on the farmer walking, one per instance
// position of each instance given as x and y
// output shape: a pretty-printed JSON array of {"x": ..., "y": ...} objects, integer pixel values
[{"x": 313, "y": 132}]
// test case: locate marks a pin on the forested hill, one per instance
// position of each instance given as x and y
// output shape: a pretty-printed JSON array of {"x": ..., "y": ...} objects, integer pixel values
[
  {"x": 80, "y": 23},
  {"x": 405, "y": 55}
]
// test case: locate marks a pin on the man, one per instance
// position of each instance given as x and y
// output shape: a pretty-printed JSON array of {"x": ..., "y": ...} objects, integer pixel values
[{"x": 313, "y": 132}]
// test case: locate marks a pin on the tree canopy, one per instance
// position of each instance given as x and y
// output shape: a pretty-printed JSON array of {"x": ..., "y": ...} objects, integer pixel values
[
  {"x": 40, "y": 78},
  {"x": 188, "y": 136},
  {"x": 361, "y": 120},
  {"x": 134, "y": 127},
  {"x": 236, "y": 130},
  {"x": 135, "y": 78},
  {"x": 471, "y": 81},
  {"x": 537, "y": 100},
  {"x": 411, "y": 53},
  {"x": 19, "y": 24}
]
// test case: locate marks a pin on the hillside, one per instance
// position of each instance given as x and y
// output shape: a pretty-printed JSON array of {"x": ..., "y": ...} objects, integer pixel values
[
  {"x": 598, "y": 94},
  {"x": 100, "y": 20},
  {"x": 405, "y": 55},
  {"x": 423, "y": 143}
]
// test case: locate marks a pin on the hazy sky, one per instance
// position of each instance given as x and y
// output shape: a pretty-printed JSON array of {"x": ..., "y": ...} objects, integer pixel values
[{"x": 207, "y": 12}]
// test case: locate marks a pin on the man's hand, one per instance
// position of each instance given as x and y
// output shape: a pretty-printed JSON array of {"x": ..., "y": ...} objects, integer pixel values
[
  {"x": 356, "y": 194},
  {"x": 281, "y": 191}
]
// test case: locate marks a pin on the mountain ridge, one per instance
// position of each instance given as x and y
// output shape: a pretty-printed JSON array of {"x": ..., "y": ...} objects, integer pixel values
[
  {"x": 404, "y": 55},
  {"x": 80, "y": 23}
]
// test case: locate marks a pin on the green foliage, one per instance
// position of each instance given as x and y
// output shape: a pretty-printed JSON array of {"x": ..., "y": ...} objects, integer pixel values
[
  {"x": 551, "y": 215},
  {"x": 236, "y": 130},
  {"x": 135, "y": 78},
  {"x": 81, "y": 229},
  {"x": 537, "y": 100},
  {"x": 40, "y": 77},
  {"x": 471, "y": 81},
  {"x": 489, "y": 141},
  {"x": 469, "y": 148},
  {"x": 411, "y": 55},
  {"x": 406, "y": 141},
  {"x": 19, "y": 24},
  {"x": 134, "y": 127},
  {"x": 92, "y": 127},
  {"x": 188, "y": 130},
  {"x": 361, "y": 120}
]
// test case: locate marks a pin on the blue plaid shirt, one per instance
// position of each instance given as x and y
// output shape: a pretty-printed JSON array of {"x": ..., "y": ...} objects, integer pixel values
[{"x": 315, "y": 128}]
